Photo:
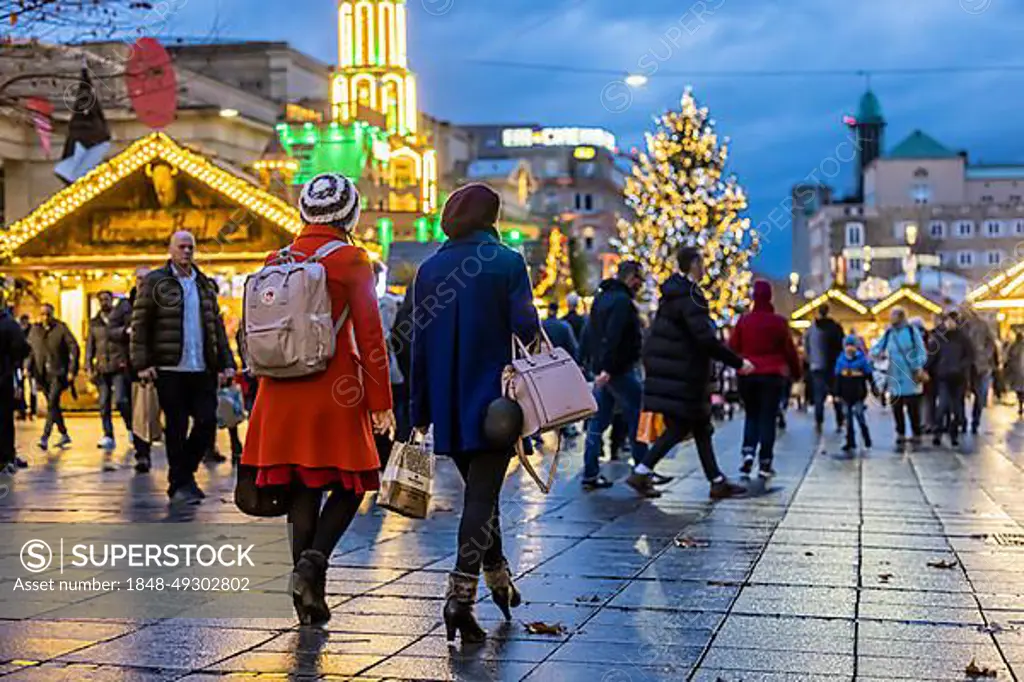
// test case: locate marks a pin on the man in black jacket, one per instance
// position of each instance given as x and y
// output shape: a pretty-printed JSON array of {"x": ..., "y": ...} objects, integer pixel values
[
  {"x": 677, "y": 359},
  {"x": 54, "y": 364},
  {"x": 178, "y": 340},
  {"x": 611, "y": 346},
  {"x": 949, "y": 365},
  {"x": 13, "y": 351},
  {"x": 105, "y": 360}
]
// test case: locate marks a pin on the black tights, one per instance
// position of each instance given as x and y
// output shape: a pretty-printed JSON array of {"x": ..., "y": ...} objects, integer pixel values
[
  {"x": 316, "y": 528},
  {"x": 479, "y": 528}
]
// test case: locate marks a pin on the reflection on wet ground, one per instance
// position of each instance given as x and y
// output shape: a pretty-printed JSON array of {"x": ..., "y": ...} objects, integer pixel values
[{"x": 823, "y": 576}]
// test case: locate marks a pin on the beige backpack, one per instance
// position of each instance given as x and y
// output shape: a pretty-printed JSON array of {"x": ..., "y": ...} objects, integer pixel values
[{"x": 287, "y": 327}]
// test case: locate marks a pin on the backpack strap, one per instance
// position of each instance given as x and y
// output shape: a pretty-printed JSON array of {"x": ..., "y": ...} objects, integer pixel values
[{"x": 326, "y": 250}]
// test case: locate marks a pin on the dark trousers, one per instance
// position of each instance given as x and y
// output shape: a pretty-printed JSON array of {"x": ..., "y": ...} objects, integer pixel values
[
  {"x": 675, "y": 431},
  {"x": 928, "y": 408},
  {"x": 115, "y": 389},
  {"x": 980, "y": 388},
  {"x": 184, "y": 396},
  {"x": 761, "y": 396},
  {"x": 907, "y": 406},
  {"x": 55, "y": 387},
  {"x": 821, "y": 387},
  {"x": 480, "y": 526},
  {"x": 7, "y": 409},
  {"x": 950, "y": 409},
  {"x": 855, "y": 413}
]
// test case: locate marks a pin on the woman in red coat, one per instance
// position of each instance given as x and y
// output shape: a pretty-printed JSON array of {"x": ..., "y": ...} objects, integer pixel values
[
  {"x": 763, "y": 337},
  {"x": 315, "y": 433}
]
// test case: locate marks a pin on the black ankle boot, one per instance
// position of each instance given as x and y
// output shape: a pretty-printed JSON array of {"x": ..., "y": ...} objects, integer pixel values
[
  {"x": 458, "y": 609},
  {"x": 308, "y": 587},
  {"x": 503, "y": 592}
]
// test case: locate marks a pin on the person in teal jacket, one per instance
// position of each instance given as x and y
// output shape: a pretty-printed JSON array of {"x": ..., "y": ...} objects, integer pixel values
[{"x": 903, "y": 346}]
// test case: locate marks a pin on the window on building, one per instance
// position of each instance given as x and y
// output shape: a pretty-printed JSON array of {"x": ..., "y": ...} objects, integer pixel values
[
  {"x": 965, "y": 259},
  {"x": 994, "y": 257},
  {"x": 964, "y": 228},
  {"x": 588, "y": 238},
  {"x": 921, "y": 193},
  {"x": 1015, "y": 199},
  {"x": 854, "y": 234},
  {"x": 588, "y": 202},
  {"x": 937, "y": 229},
  {"x": 586, "y": 169},
  {"x": 855, "y": 265},
  {"x": 987, "y": 199},
  {"x": 994, "y": 228},
  {"x": 551, "y": 201},
  {"x": 551, "y": 168},
  {"x": 578, "y": 201},
  {"x": 921, "y": 173},
  {"x": 947, "y": 258},
  {"x": 1018, "y": 226}
]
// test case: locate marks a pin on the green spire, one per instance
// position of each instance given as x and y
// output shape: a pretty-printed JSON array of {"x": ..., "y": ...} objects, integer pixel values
[{"x": 870, "y": 110}]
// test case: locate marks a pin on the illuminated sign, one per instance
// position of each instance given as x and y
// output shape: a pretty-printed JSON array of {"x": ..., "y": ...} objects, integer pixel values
[
  {"x": 295, "y": 112},
  {"x": 558, "y": 137},
  {"x": 584, "y": 153}
]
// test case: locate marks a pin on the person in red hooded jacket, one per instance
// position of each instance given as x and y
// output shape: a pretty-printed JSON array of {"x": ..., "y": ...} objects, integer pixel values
[{"x": 762, "y": 336}]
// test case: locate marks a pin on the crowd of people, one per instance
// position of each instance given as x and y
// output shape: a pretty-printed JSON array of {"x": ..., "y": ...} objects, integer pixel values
[
  {"x": 928, "y": 376},
  {"x": 432, "y": 363}
]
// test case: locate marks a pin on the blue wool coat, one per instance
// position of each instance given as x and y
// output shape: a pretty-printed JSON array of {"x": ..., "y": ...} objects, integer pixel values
[
  {"x": 468, "y": 300},
  {"x": 904, "y": 348}
]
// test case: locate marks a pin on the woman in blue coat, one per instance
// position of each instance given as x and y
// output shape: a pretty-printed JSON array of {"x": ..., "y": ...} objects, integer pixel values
[
  {"x": 469, "y": 298},
  {"x": 903, "y": 346}
]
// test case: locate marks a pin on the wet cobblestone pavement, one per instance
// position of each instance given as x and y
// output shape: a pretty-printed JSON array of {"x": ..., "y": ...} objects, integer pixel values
[{"x": 824, "y": 576}]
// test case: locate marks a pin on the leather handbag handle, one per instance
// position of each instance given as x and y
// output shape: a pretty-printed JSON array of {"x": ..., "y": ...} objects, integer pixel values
[{"x": 545, "y": 486}]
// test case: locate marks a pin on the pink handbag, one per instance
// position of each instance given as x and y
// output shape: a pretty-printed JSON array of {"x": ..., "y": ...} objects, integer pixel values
[{"x": 552, "y": 392}]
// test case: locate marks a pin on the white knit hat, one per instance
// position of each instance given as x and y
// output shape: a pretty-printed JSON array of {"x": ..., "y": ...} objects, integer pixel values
[{"x": 330, "y": 199}]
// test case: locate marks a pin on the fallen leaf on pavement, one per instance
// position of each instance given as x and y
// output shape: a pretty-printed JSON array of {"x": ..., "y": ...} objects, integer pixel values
[
  {"x": 690, "y": 543},
  {"x": 808, "y": 553},
  {"x": 541, "y": 628},
  {"x": 974, "y": 670},
  {"x": 884, "y": 577},
  {"x": 943, "y": 563},
  {"x": 992, "y": 628},
  {"x": 589, "y": 599}
]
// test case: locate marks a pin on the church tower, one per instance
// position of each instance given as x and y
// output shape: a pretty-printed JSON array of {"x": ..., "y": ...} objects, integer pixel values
[{"x": 870, "y": 128}]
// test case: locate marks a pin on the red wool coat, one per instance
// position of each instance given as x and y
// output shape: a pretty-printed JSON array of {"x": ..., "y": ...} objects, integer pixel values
[
  {"x": 762, "y": 336},
  {"x": 323, "y": 421}
]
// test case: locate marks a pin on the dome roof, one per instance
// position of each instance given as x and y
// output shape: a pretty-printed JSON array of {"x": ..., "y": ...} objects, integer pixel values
[{"x": 870, "y": 110}]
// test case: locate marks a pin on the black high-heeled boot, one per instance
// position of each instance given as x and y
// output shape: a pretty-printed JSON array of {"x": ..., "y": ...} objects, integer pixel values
[
  {"x": 458, "y": 609},
  {"x": 308, "y": 587},
  {"x": 503, "y": 592}
]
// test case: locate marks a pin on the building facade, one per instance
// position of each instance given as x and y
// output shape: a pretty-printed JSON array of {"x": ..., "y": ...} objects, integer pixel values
[
  {"x": 925, "y": 209},
  {"x": 577, "y": 182}
]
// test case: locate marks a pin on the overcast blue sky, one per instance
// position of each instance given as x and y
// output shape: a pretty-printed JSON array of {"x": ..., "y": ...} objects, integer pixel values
[{"x": 782, "y": 129}]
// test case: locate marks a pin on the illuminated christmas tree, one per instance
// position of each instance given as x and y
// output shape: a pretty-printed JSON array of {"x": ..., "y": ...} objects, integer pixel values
[
  {"x": 679, "y": 197},
  {"x": 556, "y": 277}
]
